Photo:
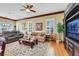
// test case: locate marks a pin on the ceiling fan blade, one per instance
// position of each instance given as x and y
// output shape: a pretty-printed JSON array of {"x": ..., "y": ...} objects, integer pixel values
[
  {"x": 31, "y": 6},
  {"x": 22, "y": 9},
  {"x": 24, "y": 6},
  {"x": 27, "y": 6},
  {"x": 33, "y": 10}
]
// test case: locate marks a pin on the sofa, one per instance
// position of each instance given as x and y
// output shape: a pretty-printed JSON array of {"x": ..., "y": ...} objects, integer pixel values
[
  {"x": 12, "y": 36},
  {"x": 40, "y": 36}
]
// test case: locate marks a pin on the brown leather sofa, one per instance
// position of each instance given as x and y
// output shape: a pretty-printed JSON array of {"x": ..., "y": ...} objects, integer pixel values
[
  {"x": 40, "y": 36},
  {"x": 12, "y": 36}
]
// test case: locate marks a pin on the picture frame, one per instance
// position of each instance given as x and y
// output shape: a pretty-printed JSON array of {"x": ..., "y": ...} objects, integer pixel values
[{"x": 39, "y": 26}]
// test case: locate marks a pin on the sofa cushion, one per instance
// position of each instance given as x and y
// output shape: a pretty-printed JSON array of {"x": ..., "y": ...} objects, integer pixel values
[{"x": 34, "y": 34}]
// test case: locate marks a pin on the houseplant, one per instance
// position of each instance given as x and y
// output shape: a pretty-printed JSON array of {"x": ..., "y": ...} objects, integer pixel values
[{"x": 60, "y": 31}]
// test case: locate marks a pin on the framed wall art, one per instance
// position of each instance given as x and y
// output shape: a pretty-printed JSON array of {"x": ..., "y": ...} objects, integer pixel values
[{"x": 39, "y": 26}]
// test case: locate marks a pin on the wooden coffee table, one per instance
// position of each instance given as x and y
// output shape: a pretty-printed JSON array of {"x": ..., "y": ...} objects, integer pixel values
[{"x": 28, "y": 42}]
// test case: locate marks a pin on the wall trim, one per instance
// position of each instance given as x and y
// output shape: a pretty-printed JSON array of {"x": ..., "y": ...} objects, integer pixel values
[
  {"x": 52, "y": 13},
  {"x": 7, "y": 18}
]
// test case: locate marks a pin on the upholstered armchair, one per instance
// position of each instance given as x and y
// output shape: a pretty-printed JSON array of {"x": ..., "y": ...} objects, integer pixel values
[
  {"x": 2, "y": 46},
  {"x": 41, "y": 37}
]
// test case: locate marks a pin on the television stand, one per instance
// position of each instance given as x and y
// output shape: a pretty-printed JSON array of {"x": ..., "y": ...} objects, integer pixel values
[{"x": 72, "y": 47}]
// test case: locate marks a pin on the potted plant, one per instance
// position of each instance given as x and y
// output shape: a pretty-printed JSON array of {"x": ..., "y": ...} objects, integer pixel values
[{"x": 59, "y": 30}]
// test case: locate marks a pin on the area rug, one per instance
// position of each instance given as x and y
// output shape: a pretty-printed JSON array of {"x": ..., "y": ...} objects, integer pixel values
[{"x": 16, "y": 49}]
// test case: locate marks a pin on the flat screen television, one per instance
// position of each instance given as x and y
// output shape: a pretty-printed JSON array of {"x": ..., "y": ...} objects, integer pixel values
[
  {"x": 72, "y": 29},
  {"x": 71, "y": 21}
]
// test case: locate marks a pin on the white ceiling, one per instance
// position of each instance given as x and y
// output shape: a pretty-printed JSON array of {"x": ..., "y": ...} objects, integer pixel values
[{"x": 12, "y": 10}]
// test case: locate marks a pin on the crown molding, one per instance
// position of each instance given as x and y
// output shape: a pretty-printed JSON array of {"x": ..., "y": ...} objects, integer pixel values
[{"x": 52, "y": 13}]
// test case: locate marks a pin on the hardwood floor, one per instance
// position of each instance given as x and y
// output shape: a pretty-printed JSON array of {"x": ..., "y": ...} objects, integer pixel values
[{"x": 59, "y": 49}]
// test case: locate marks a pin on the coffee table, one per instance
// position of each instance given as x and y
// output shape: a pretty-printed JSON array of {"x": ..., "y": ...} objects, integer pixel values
[{"x": 28, "y": 42}]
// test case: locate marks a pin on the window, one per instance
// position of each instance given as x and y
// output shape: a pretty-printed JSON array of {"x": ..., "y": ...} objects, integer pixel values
[
  {"x": 30, "y": 26},
  {"x": 4, "y": 26},
  {"x": 10, "y": 27},
  {"x": 0, "y": 26},
  {"x": 49, "y": 26},
  {"x": 19, "y": 26}
]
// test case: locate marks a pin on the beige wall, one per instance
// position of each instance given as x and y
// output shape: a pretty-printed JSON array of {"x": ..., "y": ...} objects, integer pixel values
[{"x": 57, "y": 17}]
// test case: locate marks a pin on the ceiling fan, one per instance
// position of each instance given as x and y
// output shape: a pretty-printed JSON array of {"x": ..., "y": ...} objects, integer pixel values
[{"x": 27, "y": 8}]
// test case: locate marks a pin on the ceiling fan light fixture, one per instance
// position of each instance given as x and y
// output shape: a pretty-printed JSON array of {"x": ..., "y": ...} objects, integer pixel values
[{"x": 27, "y": 10}]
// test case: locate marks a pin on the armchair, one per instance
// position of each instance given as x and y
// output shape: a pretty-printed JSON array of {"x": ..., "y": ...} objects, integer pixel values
[{"x": 2, "y": 46}]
